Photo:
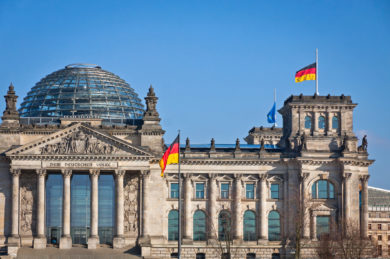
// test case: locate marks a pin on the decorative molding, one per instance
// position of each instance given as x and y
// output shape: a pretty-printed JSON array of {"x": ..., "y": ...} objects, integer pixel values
[
  {"x": 263, "y": 177},
  {"x": 94, "y": 172},
  {"x": 41, "y": 172},
  {"x": 364, "y": 178},
  {"x": 130, "y": 191},
  {"x": 228, "y": 162},
  {"x": 15, "y": 172},
  {"x": 119, "y": 172}
]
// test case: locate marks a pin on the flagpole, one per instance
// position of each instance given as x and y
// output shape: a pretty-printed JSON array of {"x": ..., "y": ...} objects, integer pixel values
[
  {"x": 275, "y": 104},
  {"x": 179, "y": 180},
  {"x": 317, "y": 72}
]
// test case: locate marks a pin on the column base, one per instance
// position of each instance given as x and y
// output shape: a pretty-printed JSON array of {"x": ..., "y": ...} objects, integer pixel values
[
  {"x": 262, "y": 241},
  {"x": 118, "y": 242},
  {"x": 93, "y": 242},
  {"x": 13, "y": 241},
  {"x": 39, "y": 242},
  {"x": 12, "y": 250},
  {"x": 187, "y": 241},
  {"x": 65, "y": 242}
]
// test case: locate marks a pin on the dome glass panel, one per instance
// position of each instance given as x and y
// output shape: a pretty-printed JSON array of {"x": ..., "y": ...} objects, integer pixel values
[{"x": 82, "y": 90}]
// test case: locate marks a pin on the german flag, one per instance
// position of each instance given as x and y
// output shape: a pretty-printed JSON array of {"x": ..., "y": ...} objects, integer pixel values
[
  {"x": 306, "y": 73},
  {"x": 171, "y": 155}
]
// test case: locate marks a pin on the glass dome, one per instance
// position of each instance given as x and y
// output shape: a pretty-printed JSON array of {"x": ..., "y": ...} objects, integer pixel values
[{"x": 82, "y": 90}]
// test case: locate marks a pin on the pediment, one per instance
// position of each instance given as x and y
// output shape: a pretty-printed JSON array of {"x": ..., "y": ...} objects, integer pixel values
[
  {"x": 322, "y": 207},
  {"x": 77, "y": 140},
  {"x": 249, "y": 178},
  {"x": 199, "y": 178}
]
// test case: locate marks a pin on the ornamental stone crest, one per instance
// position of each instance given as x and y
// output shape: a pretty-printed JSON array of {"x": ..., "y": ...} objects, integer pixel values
[
  {"x": 131, "y": 204},
  {"x": 79, "y": 143},
  {"x": 28, "y": 191}
]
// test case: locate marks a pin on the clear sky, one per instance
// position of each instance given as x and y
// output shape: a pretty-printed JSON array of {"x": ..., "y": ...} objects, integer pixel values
[{"x": 214, "y": 64}]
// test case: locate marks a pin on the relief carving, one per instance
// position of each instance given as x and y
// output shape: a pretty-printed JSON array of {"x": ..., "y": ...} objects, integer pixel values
[
  {"x": 131, "y": 204},
  {"x": 79, "y": 143},
  {"x": 28, "y": 183}
]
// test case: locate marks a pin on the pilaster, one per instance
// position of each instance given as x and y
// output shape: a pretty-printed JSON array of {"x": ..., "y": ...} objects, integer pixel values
[
  {"x": 14, "y": 239},
  {"x": 364, "y": 208},
  {"x": 212, "y": 221},
  {"x": 263, "y": 231},
  {"x": 238, "y": 220},
  {"x": 188, "y": 220},
  {"x": 93, "y": 240},
  {"x": 66, "y": 240},
  {"x": 119, "y": 241}
]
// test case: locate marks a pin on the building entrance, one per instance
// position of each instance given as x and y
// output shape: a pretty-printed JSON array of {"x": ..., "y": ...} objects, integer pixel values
[{"x": 80, "y": 208}]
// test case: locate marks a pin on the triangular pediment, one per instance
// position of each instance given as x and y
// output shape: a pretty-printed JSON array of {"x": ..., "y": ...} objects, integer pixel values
[
  {"x": 322, "y": 207},
  {"x": 79, "y": 140}
]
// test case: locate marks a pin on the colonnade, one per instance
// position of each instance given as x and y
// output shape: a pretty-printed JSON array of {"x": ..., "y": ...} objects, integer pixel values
[{"x": 66, "y": 241}]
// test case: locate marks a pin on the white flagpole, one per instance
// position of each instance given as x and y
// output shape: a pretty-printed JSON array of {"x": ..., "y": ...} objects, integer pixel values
[
  {"x": 317, "y": 72},
  {"x": 275, "y": 105},
  {"x": 180, "y": 213}
]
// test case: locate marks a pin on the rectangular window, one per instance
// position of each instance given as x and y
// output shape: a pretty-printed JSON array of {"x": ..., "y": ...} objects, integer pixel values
[
  {"x": 225, "y": 190},
  {"x": 379, "y": 226},
  {"x": 322, "y": 225},
  {"x": 200, "y": 190},
  {"x": 250, "y": 191},
  {"x": 379, "y": 250},
  {"x": 369, "y": 226},
  {"x": 379, "y": 237},
  {"x": 274, "y": 191},
  {"x": 174, "y": 190}
]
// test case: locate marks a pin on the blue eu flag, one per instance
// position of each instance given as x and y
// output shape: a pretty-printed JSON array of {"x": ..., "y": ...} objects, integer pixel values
[{"x": 271, "y": 116}]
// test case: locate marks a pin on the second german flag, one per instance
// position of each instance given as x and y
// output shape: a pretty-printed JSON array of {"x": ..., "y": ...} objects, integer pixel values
[{"x": 306, "y": 73}]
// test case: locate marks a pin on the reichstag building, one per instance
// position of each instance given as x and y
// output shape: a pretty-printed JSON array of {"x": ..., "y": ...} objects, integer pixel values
[{"x": 80, "y": 158}]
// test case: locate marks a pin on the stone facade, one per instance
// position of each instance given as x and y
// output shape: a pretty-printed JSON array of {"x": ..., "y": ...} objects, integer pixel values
[{"x": 316, "y": 146}]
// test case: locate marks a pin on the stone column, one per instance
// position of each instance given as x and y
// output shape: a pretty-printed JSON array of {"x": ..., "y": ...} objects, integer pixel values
[
  {"x": 40, "y": 239},
  {"x": 313, "y": 226},
  {"x": 329, "y": 124},
  {"x": 305, "y": 216},
  {"x": 364, "y": 211},
  {"x": 66, "y": 240},
  {"x": 119, "y": 241},
  {"x": 144, "y": 205},
  {"x": 187, "y": 209},
  {"x": 15, "y": 239},
  {"x": 93, "y": 240},
  {"x": 315, "y": 117},
  {"x": 262, "y": 204},
  {"x": 213, "y": 222},
  {"x": 347, "y": 215},
  {"x": 238, "y": 219},
  {"x": 285, "y": 205}
]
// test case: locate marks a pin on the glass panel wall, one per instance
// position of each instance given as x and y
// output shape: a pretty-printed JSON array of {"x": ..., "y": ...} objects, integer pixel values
[
  {"x": 106, "y": 208},
  {"x": 54, "y": 185},
  {"x": 80, "y": 213}
]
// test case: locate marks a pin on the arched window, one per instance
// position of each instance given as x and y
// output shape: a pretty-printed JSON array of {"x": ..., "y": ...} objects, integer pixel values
[
  {"x": 335, "y": 122},
  {"x": 307, "y": 122},
  {"x": 249, "y": 226},
  {"x": 199, "y": 225},
  {"x": 173, "y": 225},
  {"x": 322, "y": 189},
  {"x": 321, "y": 122},
  {"x": 273, "y": 226},
  {"x": 224, "y": 226}
]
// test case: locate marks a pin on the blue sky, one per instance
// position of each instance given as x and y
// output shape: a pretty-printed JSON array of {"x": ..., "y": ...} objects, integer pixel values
[{"x": 214, "y": 64}]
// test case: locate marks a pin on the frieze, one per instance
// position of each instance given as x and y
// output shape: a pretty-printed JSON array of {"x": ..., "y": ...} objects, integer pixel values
[
  {"x": 79, "y": 143},
  {"x": 131, "y": 185},
  {"x": 28, "y": 185}
]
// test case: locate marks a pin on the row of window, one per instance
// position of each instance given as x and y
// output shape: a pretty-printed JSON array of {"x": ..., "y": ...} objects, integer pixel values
[
  {"x": 226, "y": 256},
  {"x": 321, "y": 122},
  {"x": 321, "y": 189},
  {"x": 225, "y": 226},
  {"x": 379, "y": 227}
]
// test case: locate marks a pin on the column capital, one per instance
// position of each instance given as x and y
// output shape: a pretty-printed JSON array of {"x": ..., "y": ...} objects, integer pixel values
[
  {"x": 15, "y": 172},
  {"x": 94, "y": 172},
  {"x": 364, "y": 178},
  {"x": 145, "y": 173},
  {"x": 41, "y": 172},
  {"x": 237, "y": 177},
  {"x": 346, "y": 176},
  {"x": 187, "y": 176},
  {"x": 263, "y": 176},
  {"x": 212, "y": 176},
  {"x": 303, "y": 176},
  {"x": 66, "y": 172},
  {"x": 119, "y": 172}
]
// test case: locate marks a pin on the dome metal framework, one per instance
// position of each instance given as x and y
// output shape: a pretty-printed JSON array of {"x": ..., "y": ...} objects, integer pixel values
[{"x": 82, "y": 90}]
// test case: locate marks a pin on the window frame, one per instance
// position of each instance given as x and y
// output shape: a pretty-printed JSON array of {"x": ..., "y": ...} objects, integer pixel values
[
  {"x": 245, "y": 227},
  {"x": 320, "y": 121},
  {"x": 335, "y": 116},
  {"x": 221, "y": 196},
  {"x": 196, "y": 191},
  {"x": 170, "y": 190},
  {"x": 318, "y": 234},
  {"x": 330, "y": 190},
  {"x": 278, "y": 233},
  {"x": 205, "y": 226},
  {"x": 177, "y": 226},
  {"x": 253, "y": 191},
  {"x": 308, "y": 119},
  {"x": 270, "y": 190}
]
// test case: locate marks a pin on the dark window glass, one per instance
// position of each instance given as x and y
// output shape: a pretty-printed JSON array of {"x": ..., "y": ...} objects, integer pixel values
[
  {"x": 251, "y": 256},
  {"x": 322, "y": 225},
  {"x": 250, "y": 226},
  {"x": 379, "y": 226},
  {"x": 335, "y": 122},
  {"x": 307, "y": 122},
  {"x": 225, "y": 190},
  {"x": 200, "y": 256},
  {"x": 199, "y": 225},
  {"x": 274, "y": 191},
  {"x": 174, "y": 190},
  {"x": 106, "y": 208},
  {"x": 200, "y": 190},
  {"x": 224, "y": 226},
  {"x": 379, "y": 237},
  {"x": 173, "y": 225},
  {"x": 54, "y": 186},
  {"x": 273, "y": 226},
  {"x": 250, "y": 191},
  {"x": 322, "y": 189},
  {"x": 321, "y": 122}
]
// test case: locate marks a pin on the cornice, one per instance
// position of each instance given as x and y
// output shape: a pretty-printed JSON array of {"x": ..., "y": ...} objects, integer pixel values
[
  {"x": 79, "y": 157},
  {"x": 228, "y": 162},
  {"x": 355, "y": 162}
]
